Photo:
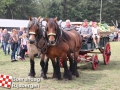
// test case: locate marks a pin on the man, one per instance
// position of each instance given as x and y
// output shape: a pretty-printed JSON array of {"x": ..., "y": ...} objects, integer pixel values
[
  {"x": 68, "y": 26},
  {"x": 1, "y": 38},
  {"x": 19, "y": 41},
  {"x": 0, "y": 35},
  {"x": 6, "y": 43},
  {"x": 85, "y": 31}
]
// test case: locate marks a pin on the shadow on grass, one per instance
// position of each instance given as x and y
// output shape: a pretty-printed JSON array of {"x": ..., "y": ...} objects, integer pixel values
[
  {"x": 113, "y": 65},
  {"x": 85, "y": 79}
]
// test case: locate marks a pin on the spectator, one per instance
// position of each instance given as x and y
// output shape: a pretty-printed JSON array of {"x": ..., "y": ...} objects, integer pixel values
[
  {"x": 0, "y": 34},
  {"x": 23, "y": 46},
  {"x": 68, "y": 26},
  {"x": 95, "y": 33},
  {"x": 14, "y": 44},
  {"x": 1, "y": 38},
  {"x": 6, "y": 44},
  {"x": 90, "y": 23},
  {"x": 19, "y": 41}
]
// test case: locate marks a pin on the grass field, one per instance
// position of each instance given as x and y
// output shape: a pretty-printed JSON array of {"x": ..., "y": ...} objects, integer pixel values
[{"x": 106, "y": 77}]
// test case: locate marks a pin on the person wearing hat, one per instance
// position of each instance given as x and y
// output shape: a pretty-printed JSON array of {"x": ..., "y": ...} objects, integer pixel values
[{"x": 85, "y": 31}]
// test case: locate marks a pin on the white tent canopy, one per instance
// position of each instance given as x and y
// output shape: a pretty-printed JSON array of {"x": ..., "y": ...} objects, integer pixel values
[
  {"x": 21, "y": 23},
  {"x": 18, "y": 23},
  {"x": 13, "y": 23}
]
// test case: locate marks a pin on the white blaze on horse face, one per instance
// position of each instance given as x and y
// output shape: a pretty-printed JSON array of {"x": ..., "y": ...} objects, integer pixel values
[
  {"x": 51, "y": 38},
  {"x": 32, "y": 37},
  {"x": 51, "y": 35}
]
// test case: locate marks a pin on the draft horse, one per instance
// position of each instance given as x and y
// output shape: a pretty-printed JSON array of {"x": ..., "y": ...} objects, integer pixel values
[
  {"x": 34, "y": 27},
  {"x": 62, "y": 44}
]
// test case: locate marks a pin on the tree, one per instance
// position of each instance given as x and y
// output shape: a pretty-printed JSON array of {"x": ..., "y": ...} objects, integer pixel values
[
  {"x": 17, "y": 9},
  {"x": 75, "y": 10}
]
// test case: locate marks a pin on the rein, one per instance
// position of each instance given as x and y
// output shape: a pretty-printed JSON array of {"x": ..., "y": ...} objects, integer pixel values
[{"x": 43, "y": 49}]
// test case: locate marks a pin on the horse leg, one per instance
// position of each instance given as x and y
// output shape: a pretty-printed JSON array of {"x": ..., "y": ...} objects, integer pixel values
[
  {"x": 71, "y": 62},
  {"x": 75, "y": 71},
  {"x": 43, "y": 66},
  {"x": 58, "y": 68},
  {"x": 46, "y": 65},
  {"x": 32, "y": 70},
  {"x": 67, "y": 74},
  {"x": 43, "y": 72},
  {"x": 54, "y": 69}
]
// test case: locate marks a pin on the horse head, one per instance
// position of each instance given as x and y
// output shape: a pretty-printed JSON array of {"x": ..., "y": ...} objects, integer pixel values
[
  {"x": 33, "y": 27},
  {"x": 52, "y": 30}
]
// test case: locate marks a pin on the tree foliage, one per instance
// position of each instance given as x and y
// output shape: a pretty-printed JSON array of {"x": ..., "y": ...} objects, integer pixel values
[{"x": 75, "y": 10}]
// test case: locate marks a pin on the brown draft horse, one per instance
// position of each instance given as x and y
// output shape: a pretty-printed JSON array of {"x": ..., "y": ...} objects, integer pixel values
[
  {"x": 62, "y": 44},
  {"x": 33, "y": 29}
]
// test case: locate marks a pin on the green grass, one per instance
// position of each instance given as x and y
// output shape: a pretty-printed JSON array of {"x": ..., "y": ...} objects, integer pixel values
[{"x": 106, "y": 77}]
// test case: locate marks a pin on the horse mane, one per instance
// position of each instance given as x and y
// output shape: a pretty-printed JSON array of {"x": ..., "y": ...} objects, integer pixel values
[
  {"x": 33, "y": 22},
  {"x": 65, "y": 36},
  {"x": 39, "y": 32}
]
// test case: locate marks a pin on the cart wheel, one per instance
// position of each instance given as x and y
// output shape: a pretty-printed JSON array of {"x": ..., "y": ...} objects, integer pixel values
[
  {"x": 107, "y": 53},
  {"x": 95, "y": 61}
]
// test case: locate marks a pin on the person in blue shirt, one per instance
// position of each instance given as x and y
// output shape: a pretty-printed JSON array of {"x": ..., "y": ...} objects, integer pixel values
[{"x": 6, "y": 44}]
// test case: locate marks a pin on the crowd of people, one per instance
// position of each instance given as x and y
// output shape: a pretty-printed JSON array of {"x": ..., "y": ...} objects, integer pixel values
[{"x": 15, "y": 41}]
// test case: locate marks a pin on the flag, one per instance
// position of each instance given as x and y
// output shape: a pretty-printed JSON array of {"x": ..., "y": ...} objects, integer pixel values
[{"x": 5, "y": 81}]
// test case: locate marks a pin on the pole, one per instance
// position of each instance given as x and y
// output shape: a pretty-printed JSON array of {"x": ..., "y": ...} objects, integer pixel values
[{"x": 101, "y": 11}]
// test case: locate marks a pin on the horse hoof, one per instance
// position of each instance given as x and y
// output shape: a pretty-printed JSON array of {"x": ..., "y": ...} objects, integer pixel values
[
  {"x": 77, "y": 74},
  {"x": 44, "y": 77},
  {"x": 41, "y": 78},
  {"x": 54, "y": 75},
  {"x": 73, "y": 76},
  {"x": 55, "y": 79},
  {"x": 31, "y": 77},
  {"x": 65, "y": 77},
  {"x": 59, "y": 76},
  {"x": 70, "y": 77}
]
